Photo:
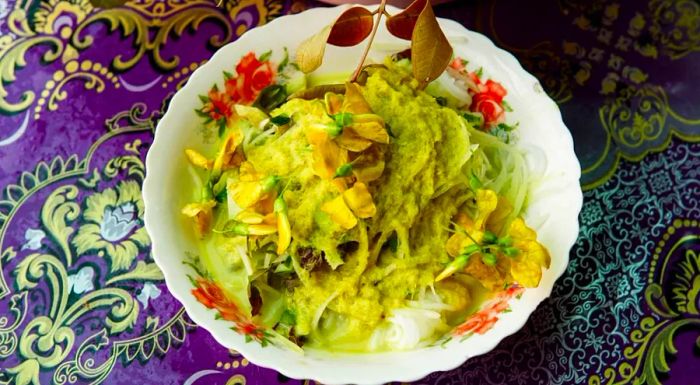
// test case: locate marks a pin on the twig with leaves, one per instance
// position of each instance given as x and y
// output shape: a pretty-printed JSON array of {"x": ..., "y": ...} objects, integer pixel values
[{"x": 430, "y": 51}]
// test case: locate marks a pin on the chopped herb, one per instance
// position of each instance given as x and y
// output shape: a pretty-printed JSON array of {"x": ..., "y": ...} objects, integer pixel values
[
  {"x": 280, "y": 120},
  {"x": 506, "y": 127},
  {"x": 343, "y": 119},
  {"x": 441, "y": 101},
  {"x": 511, "y": 251},
  {"x": 489, "y": 259},
  {"x": 271, "y": 97},
  {"x": 202, "y": 114},
  {"x": 203, "y": 98},
  {"x": 507, "y": 106},
  {"x": 508, "y": 310},
  {"x": 227, "y": 75},
  {"x": 475, "y": 119},
  {"x": 489, "y": 237},
  {"x": 464, "y": 62},
  {"x": 505, "y": 241},
  {"x": 393, "y": 242},
  {"x": 221, "y": 196},
  {"x": 480, "y": 72},
  {"x": 474, "y": 182},
  {"x": 388, "y": 130},
  {"x": 265, "y": 56},
  {"x": 289, "y": 317},
  {"x": 248, "y": 338},
  {"x": 343, "y": 171}
]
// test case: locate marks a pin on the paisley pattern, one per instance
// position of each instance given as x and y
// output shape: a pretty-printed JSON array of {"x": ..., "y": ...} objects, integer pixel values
[{"x": 81, "y": 301}]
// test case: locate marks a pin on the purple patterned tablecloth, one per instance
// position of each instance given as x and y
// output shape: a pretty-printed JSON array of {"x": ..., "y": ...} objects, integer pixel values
[{"x": 82, "y": 88}]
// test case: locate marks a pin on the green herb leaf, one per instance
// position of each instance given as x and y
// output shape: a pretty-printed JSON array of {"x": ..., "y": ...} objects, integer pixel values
[
  {"x": 203, "y": 98},
  {"x": 474, "y": 182},
  {"x": 222, "y": 195},
  {"x": 280, "y": 120},
  {"x": 511, "y": 251},
  {"x": 480, "y": 72},
  {"x": 289, "y": 317},
  {"x": 441, "y": 101},
  {"x": 489, "y": 237},
  {"x": 506, "y": 127},
  {"x": 227, "y": 75},
  {"x": 393, "y": 242},
  {"x": 271, "y": 97}
]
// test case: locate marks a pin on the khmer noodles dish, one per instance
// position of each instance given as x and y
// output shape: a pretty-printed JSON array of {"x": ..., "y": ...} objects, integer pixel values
[{"x": 374, "y": 217}]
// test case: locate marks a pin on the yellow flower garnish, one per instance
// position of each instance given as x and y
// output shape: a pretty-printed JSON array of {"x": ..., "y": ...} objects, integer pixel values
[
  {"x": 479, "y": 252},
  {"x": 359, "y": 200},
  {"x": 526, "y": 266},
  {"x": 251, "y": 187},
  {"x": 197, "y": 159},
  {"x": 369, "y": 165},
  {"x": 284, "y": 230},
  {"x": 228, "y": 155},
  {"x": 354, "y": 102},
  {"x": 327, "y": 155},
  {"x": 339, "y": 212},
  {"x": 250, "y": 217},
  {"x": 333, "y": 103},
  {"x": 201, "y": 214}
]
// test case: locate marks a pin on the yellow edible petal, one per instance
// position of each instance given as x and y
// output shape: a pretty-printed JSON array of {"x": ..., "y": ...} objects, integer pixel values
[
  {"x": 354, "y": 102},
  {"x": 526, "y": 267},
  {"x": 497, "y": 219},
  {"x": 246, "y": 193},
  {"x": 486, "y": 202},
  {"x": 228, "y": 157},
  {"x": 197, "y": 159},
  {"x": 250, "y": 217},
  {"x": 369, "y": 165},
  {"x": 327, "y": 155},
  {"x": 201, "y": 214},
  {"x": 334, "y": 103},
  {"x": 360, "y": 201},
  {"x": 340, "y": 212},
  {"x": 352, "y": 141},
  {"x": 247, "y": 172},
  {"x": 262, "y": 229},
  {"x": 489, "y": 276},
  {"x": 370, "y": 126},
  {"x": 284, "y": 233}
]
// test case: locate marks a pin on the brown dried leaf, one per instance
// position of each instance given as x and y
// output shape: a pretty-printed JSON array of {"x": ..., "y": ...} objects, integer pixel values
[
  {"x": 402, "y": 24},
  {"x": 430, "y": 51},
  {"x": 350, "y": 28}
]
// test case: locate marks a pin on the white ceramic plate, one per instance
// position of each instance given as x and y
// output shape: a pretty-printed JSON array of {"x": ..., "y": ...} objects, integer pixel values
[{"x": 553, "y": 209}]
